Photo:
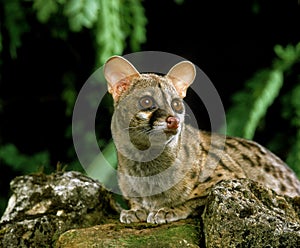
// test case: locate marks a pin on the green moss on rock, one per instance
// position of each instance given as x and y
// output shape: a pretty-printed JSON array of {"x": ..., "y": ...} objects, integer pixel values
[{"x": 180, "y": 234}]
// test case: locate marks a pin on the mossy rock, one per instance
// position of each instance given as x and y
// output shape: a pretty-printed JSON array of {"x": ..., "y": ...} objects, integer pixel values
[{"x": 180, "y": 234}]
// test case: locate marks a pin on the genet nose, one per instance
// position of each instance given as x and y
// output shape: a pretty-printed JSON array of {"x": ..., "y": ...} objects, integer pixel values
[{"x": 172, "y": 122}]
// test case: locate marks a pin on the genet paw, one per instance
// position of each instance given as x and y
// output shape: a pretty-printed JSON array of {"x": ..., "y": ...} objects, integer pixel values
[
  {"x": 130, "y": 216},
  {"x": 163, "y": 215}
]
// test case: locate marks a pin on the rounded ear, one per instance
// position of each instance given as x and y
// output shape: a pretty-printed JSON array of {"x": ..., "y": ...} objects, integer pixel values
[
  {"x": 117, "y": 68},
  {"x": 182, "y": 76}
]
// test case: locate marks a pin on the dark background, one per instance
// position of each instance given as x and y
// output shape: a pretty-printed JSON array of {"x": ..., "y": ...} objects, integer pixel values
[{"x": 228, "y": 40}]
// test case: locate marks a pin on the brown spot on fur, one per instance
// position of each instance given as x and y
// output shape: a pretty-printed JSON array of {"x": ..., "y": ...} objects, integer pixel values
[
  {"x": 282, "y": 187},
  {"x": 231, "y": 146},
  {"x": 280, "y": 174},
  {"x": 289, "y": 179},
  {"x": 207, "y": 179},
  {"x": 196, "y": 185},
  {"x": 193, "y": 174},
  {"x": 248, "y": 159}
]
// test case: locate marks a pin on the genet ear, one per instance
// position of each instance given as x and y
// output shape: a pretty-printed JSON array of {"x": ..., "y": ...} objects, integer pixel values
[
  {"x": 182, "y": 76},
  {"x": 116, "y": 72}
]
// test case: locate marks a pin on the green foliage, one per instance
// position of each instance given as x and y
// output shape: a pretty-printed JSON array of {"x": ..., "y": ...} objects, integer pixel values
[
  {"x": 45, "y": 8},
  {"x": 117, "y": 24},
  {"x": 15, "y": 21},
  {"x": 112, "y": 22},
  {"x": 110, "y": 42},
  {"x": 288, "y": 56},
  {"x": 21, "y": 163},
  {"x": 251, "y": 104},
  {"x": 82, "y": 13},
  {"x": 136, "y": 33}
]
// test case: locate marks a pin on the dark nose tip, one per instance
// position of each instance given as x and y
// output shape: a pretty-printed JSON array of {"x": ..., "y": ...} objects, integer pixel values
[{"x": 173, "y": 122}]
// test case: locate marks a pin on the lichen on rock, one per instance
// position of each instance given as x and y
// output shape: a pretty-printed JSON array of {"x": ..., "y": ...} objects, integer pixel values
[
  {"x": 69, "y": 209},
  {"x": 44, "y": 206},
  {"x": 179, "y": 234},
  {"x": 242, "y": 213}
]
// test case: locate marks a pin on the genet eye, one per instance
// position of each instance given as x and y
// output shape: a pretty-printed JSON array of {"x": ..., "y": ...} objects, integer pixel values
[
  {"x": 147, "y": 102},
  {"x": 177, "y": 105}
]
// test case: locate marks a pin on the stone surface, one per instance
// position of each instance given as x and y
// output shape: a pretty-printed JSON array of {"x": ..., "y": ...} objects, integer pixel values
[
  {"x": 183, "y": 233},
  {"x": 44, "y": 206},
  {"x": 241, "y": 213},
  {"x": 68, "y": 209}
]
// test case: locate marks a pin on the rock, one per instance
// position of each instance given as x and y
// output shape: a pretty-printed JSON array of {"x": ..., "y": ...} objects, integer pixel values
[
  {"x": 179, "y": 234},
  {"x": 242, "y": 213},
  {"x": 43, "y": 207},
  {"x": 68, "y": 209}
]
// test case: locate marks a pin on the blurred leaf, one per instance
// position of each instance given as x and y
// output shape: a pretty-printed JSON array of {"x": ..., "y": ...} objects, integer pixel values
[
  {"x": 73, "y": 7},
  {"x": 136, "y": 22},
  {"x": 112, "y": 22},
  {"x": 15, "y": 23},
  {"x": 45, "y": 8},
  {"x": 110, "y": 35},
  {"x": 118, "y": 21},
  {"x": 263, "y": 100},
  {"x": 179, "y": 1},
  {"x": 10, "y": 155},
  {"x": 82, "y": 13},
  {"x": 288, "y": 56}
]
